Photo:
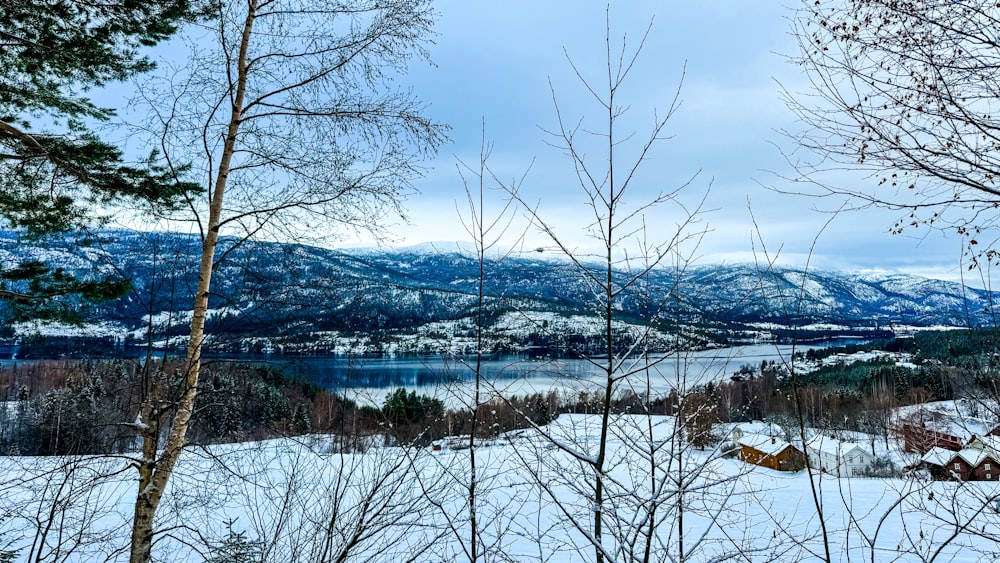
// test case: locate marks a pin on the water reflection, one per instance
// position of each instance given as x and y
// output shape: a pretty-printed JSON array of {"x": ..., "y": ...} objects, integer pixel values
[
  {"x": 518, "y": 375},
  {"x": 448, "y": 377}
]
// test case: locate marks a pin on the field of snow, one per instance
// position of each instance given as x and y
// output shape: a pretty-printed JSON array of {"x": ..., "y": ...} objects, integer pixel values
[{"x": 304, "y": 500}]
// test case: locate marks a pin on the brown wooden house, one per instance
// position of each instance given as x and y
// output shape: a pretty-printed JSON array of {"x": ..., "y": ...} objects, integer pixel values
[
  {"x": 973, "y": 465},
  {"x": 960, "y": 466},
  {"x": 940, "y": 426},
  {"x": 770, "y": 452},
  {"x": 921, "y": 439},
  {"x": 986, "y": 470}
]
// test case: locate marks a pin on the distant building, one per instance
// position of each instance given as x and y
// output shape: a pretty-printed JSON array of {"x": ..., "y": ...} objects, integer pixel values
[
  {"x": 962, "y": 464},
  {"x": 988, "y": 444},
  {"x": 838, "y": 457},
  {"x": 987, "y": 470},
  {"x": 975, "y": 463},
  {"x": 770, "y": 452},
  {"x": 939, "y": 425},
  {"x": 936, "y": 462},
  {"x": 739, "y": 430}
]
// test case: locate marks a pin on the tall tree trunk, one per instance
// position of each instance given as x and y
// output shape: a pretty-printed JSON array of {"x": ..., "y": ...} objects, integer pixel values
[
  {"x": 154, "y": 473},
  {"x": 609, "y": 337}
]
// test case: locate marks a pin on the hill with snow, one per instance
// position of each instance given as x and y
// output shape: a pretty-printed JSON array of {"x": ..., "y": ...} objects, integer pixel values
[
  {"x": 284, "y": 293},
  {"x": 305, "y": 499}
]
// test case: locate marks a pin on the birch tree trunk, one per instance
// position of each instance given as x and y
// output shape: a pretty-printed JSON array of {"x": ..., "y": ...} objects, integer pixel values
[
  {"x": 154, "y": 475},
  {"x": 314, "y": 130}
]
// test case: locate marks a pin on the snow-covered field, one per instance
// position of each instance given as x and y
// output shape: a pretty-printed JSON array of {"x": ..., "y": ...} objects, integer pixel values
[{"x": 301, "y": 500}]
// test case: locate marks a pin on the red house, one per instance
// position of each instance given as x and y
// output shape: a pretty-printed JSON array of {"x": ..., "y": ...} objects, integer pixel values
[
  {"x": 986, "y": 470},
  {"x": 961, "y": 465},
  {"x": 939, "y": 425},
  {"x": 972, "y": 465},
  {"x": 936, "y": 462}
]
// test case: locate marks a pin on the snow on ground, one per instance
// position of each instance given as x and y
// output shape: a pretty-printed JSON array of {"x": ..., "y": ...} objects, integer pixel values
[
  {"x": 901, "y": 330},
  {"x": 97, "y": 330},
  {"x": 902, "y": 359},
  {"x": 304, "y": 501},
  {"x": 972, "y": 409}
]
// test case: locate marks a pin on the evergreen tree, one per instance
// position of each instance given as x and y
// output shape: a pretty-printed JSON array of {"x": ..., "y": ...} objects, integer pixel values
[
  {"x": 236, "y": 547},
  {"x": 54, "y": 170},
  {"x": 301, "y": 420},
  {"x": 901, "y": 380}
]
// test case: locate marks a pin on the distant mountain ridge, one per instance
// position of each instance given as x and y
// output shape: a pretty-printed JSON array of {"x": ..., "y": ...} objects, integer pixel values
[{"x": 291, "y": 291}]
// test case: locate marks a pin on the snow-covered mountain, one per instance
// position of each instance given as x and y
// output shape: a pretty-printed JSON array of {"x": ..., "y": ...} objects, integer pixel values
[{"x": 265, "y": 290}]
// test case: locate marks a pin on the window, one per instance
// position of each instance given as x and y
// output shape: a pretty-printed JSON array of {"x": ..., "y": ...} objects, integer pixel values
[
  {"x": 957, "y": 465},
  {"x": 988, "y": 476},
  {"x": 987, "y": 467}
]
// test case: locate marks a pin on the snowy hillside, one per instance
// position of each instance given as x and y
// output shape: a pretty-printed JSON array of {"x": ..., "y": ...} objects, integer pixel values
[
  {"x": 303, "y": 500},
  {"x": 284, "y": 293}
]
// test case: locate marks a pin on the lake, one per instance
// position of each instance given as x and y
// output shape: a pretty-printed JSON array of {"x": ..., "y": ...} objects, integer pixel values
[{"x": 451, "y": 378}]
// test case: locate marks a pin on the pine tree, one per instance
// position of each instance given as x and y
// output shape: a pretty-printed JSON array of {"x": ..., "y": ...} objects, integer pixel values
[
  {"x": 54, "y": 170},
  {"x": 236, "y": 547},
  {"x": 301, "y": 420},
  {"x": 901, "y": 380}
]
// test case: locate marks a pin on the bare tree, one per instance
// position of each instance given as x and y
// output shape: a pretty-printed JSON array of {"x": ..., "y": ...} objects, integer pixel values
[
  {"x": 62, "y": 509},
  {"x": 308, "y": 500},
  {"x": 907, "y": 93},
  {"x": 487, "y": 230},
  {"x": 623, "y": 482},
  {"x": 289, "y": 113},
  {"x": 848, "y": 521}
]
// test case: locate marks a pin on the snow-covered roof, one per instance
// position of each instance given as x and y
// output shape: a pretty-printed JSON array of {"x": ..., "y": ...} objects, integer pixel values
[
  {"x": 826, "y": 444},
  {"x": 938, "y": 456},
  {"x": 757, "y": 427},
  {"x": 765, "y": 444},
  {"x": 946, "y": 417},
  {"x": 990, "y": 443},
  {"x": 972, "y": 457}
]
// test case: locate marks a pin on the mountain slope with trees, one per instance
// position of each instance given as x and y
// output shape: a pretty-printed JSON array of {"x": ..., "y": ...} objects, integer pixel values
[{"x": 272, "y": 290}]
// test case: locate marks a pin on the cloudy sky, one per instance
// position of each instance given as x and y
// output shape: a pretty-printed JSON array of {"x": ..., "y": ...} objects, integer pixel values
[
  {"x": 495, "y": 61},
  {"x": 502, "y": 63}
]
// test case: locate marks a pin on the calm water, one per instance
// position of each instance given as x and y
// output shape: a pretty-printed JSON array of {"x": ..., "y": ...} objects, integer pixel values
[
  {"x": 369, "y": 379},
  {"x": 450, "y": 378}
]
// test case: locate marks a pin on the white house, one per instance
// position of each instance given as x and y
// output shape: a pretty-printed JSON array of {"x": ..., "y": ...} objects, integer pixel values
[{"x": 837, "y": 457}]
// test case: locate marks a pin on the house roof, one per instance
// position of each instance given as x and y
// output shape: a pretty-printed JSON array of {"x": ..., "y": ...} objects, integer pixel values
[
  {"x": 938, "y": 456},
  {"x": 764, "y": 444},
  {"x": 757, "y": 427},
  {"x": 833, "y": 446},
  {"x": 990, "y": 444},
  {"x": 945, "y": 417},
  {"x": 972, "y": 457}
]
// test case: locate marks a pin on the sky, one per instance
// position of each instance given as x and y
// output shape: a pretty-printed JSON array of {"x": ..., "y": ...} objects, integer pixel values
[
  {"x": 501, "y": 63},
  {"x": 498, "y": 66}
]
